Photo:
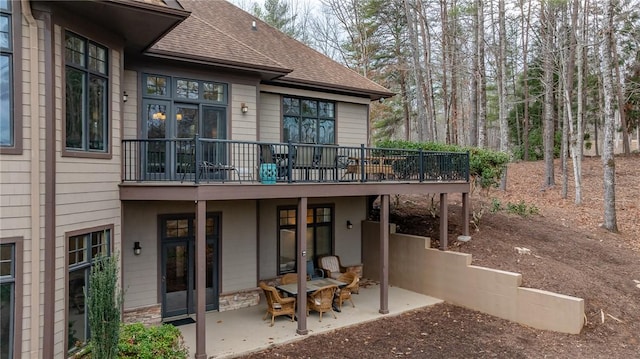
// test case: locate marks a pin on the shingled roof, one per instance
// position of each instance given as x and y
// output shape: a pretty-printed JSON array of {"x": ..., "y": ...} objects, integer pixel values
[{"x": 219, "y": 33}]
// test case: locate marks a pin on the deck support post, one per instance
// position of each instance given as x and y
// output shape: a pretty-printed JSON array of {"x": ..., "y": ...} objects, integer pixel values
[
  {"x": 201, "y": 284},
  {"x": 444, "y": 220},
  {"x": 301, "y": 238},
  {"x": 465, "y": 214},
  {"x": 384, "y": 254}
]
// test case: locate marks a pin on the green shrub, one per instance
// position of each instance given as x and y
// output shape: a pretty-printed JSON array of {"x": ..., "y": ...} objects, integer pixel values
[
  {"x": 496, "y": 206},
  {"x": 522, "y": 209},
  {"x": 103, "y": 302},
  {"x": 138, "y": 341}
]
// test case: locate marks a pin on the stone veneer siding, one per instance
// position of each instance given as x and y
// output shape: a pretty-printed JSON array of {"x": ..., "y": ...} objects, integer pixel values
[
  {"x": 152, "y": 314},
  {"x": 237, "y": 300},
  {"x": 149, "y": 315}
]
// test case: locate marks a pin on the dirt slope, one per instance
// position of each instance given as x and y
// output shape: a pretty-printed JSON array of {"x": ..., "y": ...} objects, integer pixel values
[{"x": 570, "y": 254}]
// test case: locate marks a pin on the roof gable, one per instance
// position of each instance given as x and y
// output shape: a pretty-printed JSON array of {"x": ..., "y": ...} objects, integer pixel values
[{"x": 221, "y": 33}]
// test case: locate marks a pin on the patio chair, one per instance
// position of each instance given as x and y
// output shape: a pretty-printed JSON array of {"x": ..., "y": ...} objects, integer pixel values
[
  {"x": 277, "y": 155},
  {"x": 305, "y": 159},
  {"x": 322, "y": 300},
  {"x": 344, "y": 293},
  {"x": 313, "y": 272},
  {"x": 328, "y": 162},
  {"x": 277, "y": 305},
  {"x": 289, "y": 278},
  {"x": 331, "y": 266}
]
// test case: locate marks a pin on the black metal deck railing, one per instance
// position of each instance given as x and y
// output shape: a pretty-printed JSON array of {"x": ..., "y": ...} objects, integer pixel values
[{"x": 203, "y": 160}]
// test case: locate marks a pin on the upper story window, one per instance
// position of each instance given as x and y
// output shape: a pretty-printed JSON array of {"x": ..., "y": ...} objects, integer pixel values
[
  {"x": 308, "y": 121},
  {"x": 7, "y": 121},
  {"x": 184, "y": 90},
  {"x": 87, "y": 85}
]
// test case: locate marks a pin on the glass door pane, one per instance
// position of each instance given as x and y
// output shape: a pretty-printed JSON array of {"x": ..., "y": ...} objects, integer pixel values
[
  {"x": 155, "y": 147},
  {"x": 186, "y": 122},
  {"x": 176, "y": 279},
  {"x": 211, "y": 279},
  {"x": 213, "y": 127},
  {"x": 76, "y": 311},
  {"x": 213, "y": 122}
]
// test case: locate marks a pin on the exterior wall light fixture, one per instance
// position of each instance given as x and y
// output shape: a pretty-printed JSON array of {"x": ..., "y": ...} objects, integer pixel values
[
  {"x": 349, "y": 224},
  {"x": 136, "y": 248},
  {"x": 244, "y": 108},
  {"x": 125, "y": 97}
]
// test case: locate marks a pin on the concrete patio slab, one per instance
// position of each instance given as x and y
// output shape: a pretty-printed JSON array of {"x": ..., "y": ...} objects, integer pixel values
[{"x": 242, "y": 331}]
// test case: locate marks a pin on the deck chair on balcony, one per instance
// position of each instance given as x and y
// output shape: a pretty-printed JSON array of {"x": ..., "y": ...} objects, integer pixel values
[
  {"x": 277, "y": 305},
  {"x": 277, "y": 155},
  {"x": 328, "y": 162},
  {"x": 321, "y": 300},
  {"x": 305, "y": 160}
]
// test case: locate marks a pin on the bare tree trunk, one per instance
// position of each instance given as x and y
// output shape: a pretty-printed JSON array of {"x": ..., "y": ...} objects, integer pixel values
[
  {"x": 431, "y": 129},
  {"x": 482, "y": 79},
  {"x": 473, "y": 123},
  {"x": 582, "y": 66},
  {"x": 502, "y": 87},
  {"x": 453, "y": 118},
  {"x": 444, "y": 18},
  {"x": 599, "y": 119},
  {"x": 618, "y": 84},
  {"x": 608, "y": 160},
  {"x": 547, "y": 28},
  {"x": 525, "y": 75},
  {"x": 415, "y": 68},
  {"x": 563, "y": 119},
  {"x": 405, "y": 96},
  {"x": 568, "y": 131},
  {"x": 575, "y": 132}
]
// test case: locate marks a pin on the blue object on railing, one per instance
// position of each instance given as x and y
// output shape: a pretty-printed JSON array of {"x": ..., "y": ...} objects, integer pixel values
[{"x": 268, "y": 173}]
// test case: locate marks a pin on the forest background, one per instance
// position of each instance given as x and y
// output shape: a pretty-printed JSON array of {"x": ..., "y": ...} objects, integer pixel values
[{"x": 536, "y": 79}]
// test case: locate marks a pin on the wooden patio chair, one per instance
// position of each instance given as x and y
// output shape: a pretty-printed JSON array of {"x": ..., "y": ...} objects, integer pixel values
[
  {"x": 289, "y": 278},
  {"x": 277, "y": 305},
  {"x": 344, "y": 293},
  {"x": 322, "y": 300}
]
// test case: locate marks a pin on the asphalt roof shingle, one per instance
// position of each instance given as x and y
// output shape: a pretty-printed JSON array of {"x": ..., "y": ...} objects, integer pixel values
[{"x": 219, "y": 32}]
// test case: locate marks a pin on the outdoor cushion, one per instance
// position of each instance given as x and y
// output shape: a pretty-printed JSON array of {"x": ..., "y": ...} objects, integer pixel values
[{"x": 331, "y": 264}]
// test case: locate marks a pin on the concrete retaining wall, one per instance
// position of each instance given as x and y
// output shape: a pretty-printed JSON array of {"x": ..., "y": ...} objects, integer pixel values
[{"x": 451, "y": 277}]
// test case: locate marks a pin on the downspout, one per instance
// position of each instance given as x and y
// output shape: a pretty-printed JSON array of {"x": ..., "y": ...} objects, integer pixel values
[{"x": 34, "y": 336}]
